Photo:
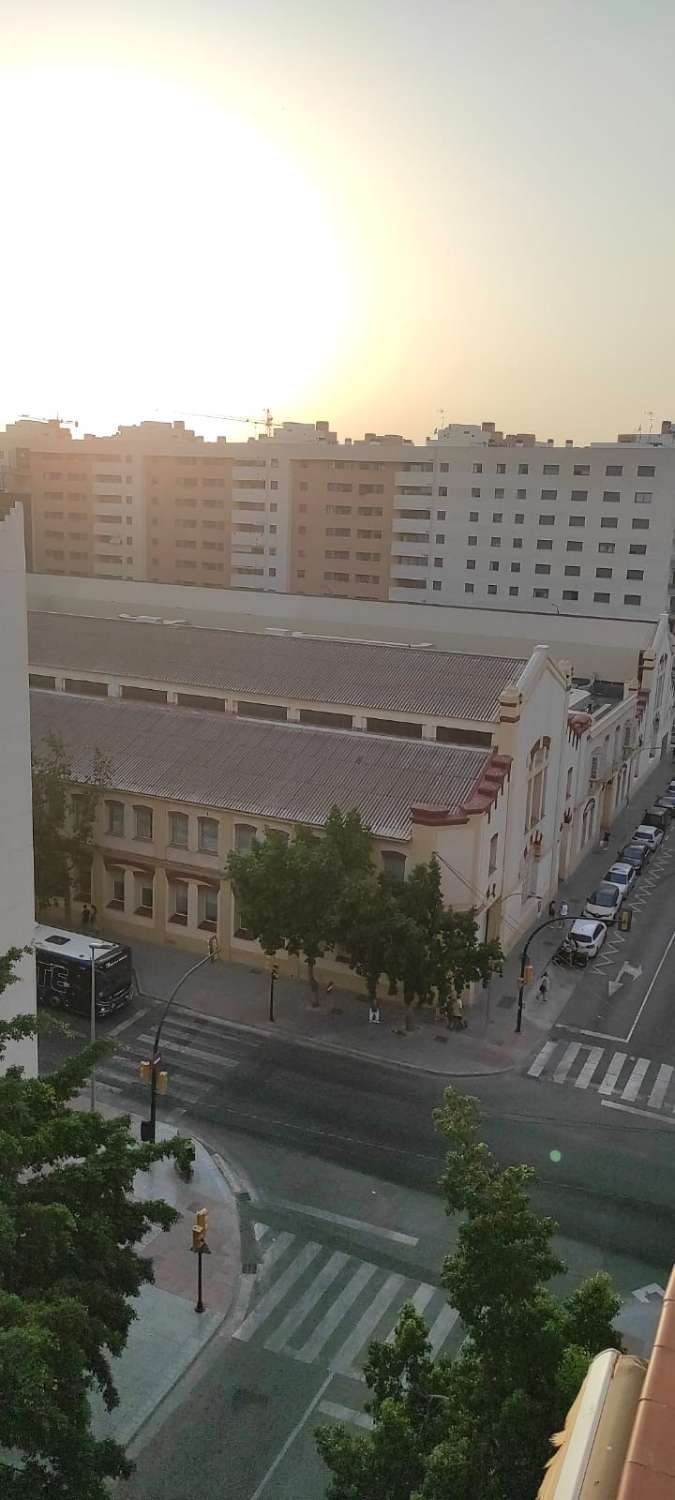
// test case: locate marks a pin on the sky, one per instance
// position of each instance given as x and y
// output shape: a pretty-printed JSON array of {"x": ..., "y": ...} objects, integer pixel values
[{"x": 372, "y": 211}]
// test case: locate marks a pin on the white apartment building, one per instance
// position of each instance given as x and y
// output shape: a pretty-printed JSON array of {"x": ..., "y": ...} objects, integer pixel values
[{"x": 17, "y": 909}]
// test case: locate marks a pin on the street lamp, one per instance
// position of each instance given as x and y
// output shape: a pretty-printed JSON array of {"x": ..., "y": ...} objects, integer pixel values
[
  {"x": 148, "y": 1126},
  {"x": 524, "y": 966}
]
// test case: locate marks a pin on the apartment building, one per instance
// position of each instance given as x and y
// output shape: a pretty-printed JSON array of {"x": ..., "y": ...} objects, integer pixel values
[{"x": 475, "y": 516}]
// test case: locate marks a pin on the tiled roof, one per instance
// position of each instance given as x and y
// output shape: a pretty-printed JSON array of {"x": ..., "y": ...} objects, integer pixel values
[
  {"x": 391, "y": 679},
  {"x": 266, "y": 770}
]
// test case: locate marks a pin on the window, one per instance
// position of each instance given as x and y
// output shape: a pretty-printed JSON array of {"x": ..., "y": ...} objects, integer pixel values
[
  {"x": 544, "y": 545},
  {"x": 440, "y": 515},
  {"x": 143, "y": 817},
  {"x": 494, "y": 567},
  {"x": 468, "y": 588},
  {"x": 115, "y": 814},
  {"x": 547, "y": 520},
  {"x": 603, "y": 572},
  {"x": 639, "y": 525},
  {"x": 514, "y": 592},
  {"x": 568, "y": 787},
  {"x": 207, "y": 908},
  {"x": 472, "y": 541},
  {"x": 606, "y": 546},
  {"x": 501, "y": 468},
  {"x": 542, "y": 567},
  {"x": 637, "y": 549},
  {"x": 178, "y": 830},
  {"x": 477, "y": 468},
  {"x": 440, "y": 538},
  {"x": 497, "y": 516},
  {"x": 636, "y": 574},
  {"x": 442, "y": 489},
  {"x": 144, "y": 895},
  {"x": 537, "y": 776},
  {"x": 632, "y": 598},
  {"x": 601, "y": 598},
  {"x": 582, "y": 469},
  {"x": 523, "y": 468},
  {"x": 572, "y": 570},
  {"x": 244, "y": 835},
  {"x": 436, "y": 585},
  {"x": 117, "y": 890},
  {"x": 574, "y": 547},
  {"x": 579, "y": 494},
  {"x": 475, "y": 493},
  {"x": 208, "y": 835},
  {"x": 492, "y": 862},
  {"x": 473, "y": 515},
  {"x": 646, "y": 471},
  {"x": 495, "y": 541},
  {"x": 519, "y": 518},
  {"x": 492, "y": 588},
  {"x": 643, "y": 497},
  {"x": 551, "y": 468},
  {"x": 549, "y": 494},
  {"x": 570, "y": 593},
  {"x": 540, "y": 593},
  {"x": 615, "y": 470},
  {"x": 515, "y": 567},
  {"x": 517, "y": 543},
  {"x": 471, "y": 564},
  {"x": 499, "y": 494},
  {"x": 178, "y": 895},
  {"x": 393, "y": 864},
  {"x": 438, "y": 562},
  {"x": 611, "y": 497},
  {"x": 521, "y": 494},
  {"x": 577, "y": 521},
  {"x": 609, "y": 523}
]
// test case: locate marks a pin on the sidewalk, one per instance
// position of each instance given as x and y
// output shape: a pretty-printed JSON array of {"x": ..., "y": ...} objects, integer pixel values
[
  {"x": 168, "y": 1335},
  {"x": 239, "y": 994}
]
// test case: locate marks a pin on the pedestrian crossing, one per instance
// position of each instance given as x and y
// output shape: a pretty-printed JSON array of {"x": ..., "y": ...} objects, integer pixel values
[
  {"x": 615, "y": 1074},
  {"x": 322, "y": 1306},
  {"x": 196, "y": 1056}
]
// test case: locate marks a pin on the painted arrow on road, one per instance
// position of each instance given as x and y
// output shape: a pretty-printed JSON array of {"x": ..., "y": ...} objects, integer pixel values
[
  {"x": 614, "y": 984},
  {"x": 645, "y": 1293}
]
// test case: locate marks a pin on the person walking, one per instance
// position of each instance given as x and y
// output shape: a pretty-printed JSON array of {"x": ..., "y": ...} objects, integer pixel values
[
  {"x": 551, "y": 911},
  {"x": 542, "y": 992},
  {"x": 564, "y": 912}
]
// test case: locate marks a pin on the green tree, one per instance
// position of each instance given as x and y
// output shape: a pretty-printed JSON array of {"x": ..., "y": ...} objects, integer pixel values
[
  {"x": 69, "y": 1229},
  {"x": 261, "y": 880},
  {"x": 63, "y": 822},
  {"x": 370, "y": 929},
  {"x": 439, "y": 955},
  {"x": 477, "y": 1427}
]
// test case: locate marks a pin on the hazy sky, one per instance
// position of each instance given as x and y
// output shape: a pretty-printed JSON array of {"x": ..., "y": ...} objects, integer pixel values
[{"x": 366, "y": 210}]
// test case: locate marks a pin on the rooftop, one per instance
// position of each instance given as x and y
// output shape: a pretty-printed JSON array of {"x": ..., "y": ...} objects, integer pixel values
[
  {"x": 388, "y": 678},
  {"x": 253, "y": 767}
]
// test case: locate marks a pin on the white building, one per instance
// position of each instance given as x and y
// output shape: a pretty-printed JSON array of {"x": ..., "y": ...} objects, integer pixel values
[{"x": 17, "y": 910}]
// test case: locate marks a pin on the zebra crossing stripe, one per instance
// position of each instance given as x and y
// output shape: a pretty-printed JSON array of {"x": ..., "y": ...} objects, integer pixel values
[
  {"x": 314, "y": 1293},
  {"x": 276, "y": 1249},
  {"x": 420, "y": 1299},
  {"x": 218, "y": 1059},
  {"x": 589, "y": 1067},
  {"x": 276, "y": 1293},
  {"x": 336, "y": 1312},
  {"x": 342, "y": 1364},
  {"x": 632, "y": 1088},
  {"x": 443, "y": 1325},
  {"x": 609, "y": 1080},
  {"x": 345, "y": 1414},
  {"x": 541, "y": 1059},
  {"x": 660, "y": 1088},
  {"x": 563, "y": 1067}
]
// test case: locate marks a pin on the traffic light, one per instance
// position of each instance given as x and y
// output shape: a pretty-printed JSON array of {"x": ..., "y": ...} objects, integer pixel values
[
  {"x": 162, "y": 1082},
  {"x": 199, "y": 1229},
  {"x": 145, "y": 1071},
  {"x": 528, "y": 975}
]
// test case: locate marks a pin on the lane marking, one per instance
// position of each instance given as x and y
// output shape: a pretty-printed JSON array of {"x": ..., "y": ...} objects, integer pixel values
[
  {"x": 613, "y": 1071},
  {"x": 115, "y": 1030},
  {"x": 629, "y": 1109},
  {"x": 420, "y": 1299},
  {"x": 343, "y": 1363},
  {"x": 602, "y": 1036},
  {"x": 276, "y": 1293},
  {"x": 660, "y": 1088},
  {"x": 541, "y": 1059},
  {"x": 571, "y": 1051},
  {"x": 397, "y": 1235},
  {"x": 315, "y": 1401},
  {"x": 439, "y": 1330},
  {"x": 303, "y": 1307},
  {"x": 632, "y": 1088},
  {"x": 345, "y": 1414},
  {"x": 336, "y": 1312},
  {"x": 589, "y": 1067},
  {"x": 656, "y": 975}
]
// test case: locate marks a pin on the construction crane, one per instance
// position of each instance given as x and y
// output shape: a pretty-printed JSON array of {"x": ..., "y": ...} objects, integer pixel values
[{"x": 266, "y": 421}]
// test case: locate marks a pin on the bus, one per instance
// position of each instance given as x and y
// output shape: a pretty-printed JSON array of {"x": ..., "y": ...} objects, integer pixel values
[{"x": 63, "y": 965}]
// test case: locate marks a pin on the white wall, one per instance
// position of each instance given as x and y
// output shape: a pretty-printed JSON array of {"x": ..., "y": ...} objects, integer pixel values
[{"x": 17, "y": 911}]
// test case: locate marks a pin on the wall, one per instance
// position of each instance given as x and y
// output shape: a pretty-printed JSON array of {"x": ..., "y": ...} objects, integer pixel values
[{"x": 17, "y": 911}]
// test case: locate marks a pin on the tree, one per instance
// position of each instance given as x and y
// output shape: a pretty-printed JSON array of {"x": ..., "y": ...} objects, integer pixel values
[
  {"x": 63, "y": 821},
  {"x": 442, "y": 957},
  {"x": 369, "y": 929},
  {"x": 68, "y": 1267},
  {"x": 477, "y": 1427},
  {"x": 261, "y": 883}
]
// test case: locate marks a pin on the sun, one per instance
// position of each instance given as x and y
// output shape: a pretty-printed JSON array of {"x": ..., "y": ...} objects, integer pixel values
[{"x": 162, "y": 250}]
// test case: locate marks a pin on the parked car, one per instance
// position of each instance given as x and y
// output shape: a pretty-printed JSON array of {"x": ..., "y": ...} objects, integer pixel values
[
  {"x": 667, "y": 800},
  {"x": 604, "y": 902},
  {"x": 587, "y": 937},
  {"x": 635, "y": 855},
  {"x": 624, "y": 876},
  {"x": 659, "y": 816},
  {"x": 646, "y": 834}
]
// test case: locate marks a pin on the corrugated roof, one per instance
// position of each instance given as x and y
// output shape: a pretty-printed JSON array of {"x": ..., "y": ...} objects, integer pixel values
[
  {"x": 266, "y": 770},
  {"x": 391, "y": 679}
]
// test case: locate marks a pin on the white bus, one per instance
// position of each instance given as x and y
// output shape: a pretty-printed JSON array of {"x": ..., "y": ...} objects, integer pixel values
[{"x": 63, "y": 964}]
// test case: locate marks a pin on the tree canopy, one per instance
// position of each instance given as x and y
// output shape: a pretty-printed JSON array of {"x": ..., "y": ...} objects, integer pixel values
[
  {"x": 69, "y": 1266},
  {"x": 63, "y": 821},
  {"x": 477, "y": 1427}
]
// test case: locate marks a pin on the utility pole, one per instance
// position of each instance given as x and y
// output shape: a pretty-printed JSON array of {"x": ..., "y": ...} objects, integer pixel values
[{"x": 151, "y": 1069}]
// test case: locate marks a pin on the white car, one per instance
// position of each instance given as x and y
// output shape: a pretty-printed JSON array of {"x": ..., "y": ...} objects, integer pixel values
[
  {"x": 604, "y": 901},
  {"x": 645, "y": 834},
  {"x": 587, "y": 936},
  {"x": 624, "y": 876}
]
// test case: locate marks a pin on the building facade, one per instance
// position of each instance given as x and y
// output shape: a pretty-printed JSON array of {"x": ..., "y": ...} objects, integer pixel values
[
  {"x": 473, "y": 517},
  {"x": 17, "y": 910}
]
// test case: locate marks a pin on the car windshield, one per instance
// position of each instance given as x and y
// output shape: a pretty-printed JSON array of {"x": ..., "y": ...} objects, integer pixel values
[
  {"x": 619, "y": 877},
  {"x": 603, "y": 898},
  {"x": 582, "y": 937},
  {"x": 634, "y": 851}
]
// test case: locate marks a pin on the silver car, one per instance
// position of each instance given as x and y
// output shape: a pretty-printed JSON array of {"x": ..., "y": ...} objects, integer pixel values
[
  {"x": 604, "y": 902},
  {"x": 624, "y": 876}
]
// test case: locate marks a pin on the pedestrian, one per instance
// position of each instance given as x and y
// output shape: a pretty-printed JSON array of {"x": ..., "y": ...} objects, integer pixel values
[
  {"x": 543, "y": 986},
  {"x": 564, "y": 912},
  {"x": 551, "y": 911},
  {"x": 86, "y": 915},
  {"x": 93, "y": 914},
  {"x": 374, "y": 1013},
  {"x": 604, "y": 841},
  {"x": 457, "y": 1013}
]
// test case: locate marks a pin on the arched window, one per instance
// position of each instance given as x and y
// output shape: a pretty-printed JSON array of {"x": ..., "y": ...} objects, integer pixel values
[{"x": 536, "y": 782}]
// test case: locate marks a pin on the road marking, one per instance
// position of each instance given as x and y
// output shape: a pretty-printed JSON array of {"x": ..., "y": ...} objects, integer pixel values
[
  {"x": 342, "y": 1364},
  {"x": 336, "y": 1312},
  {"x": 345, "y": 1414},
  {"x": 589, "y": 1067},
  {"x": 643, "y": 1293},
  {"x": 660, "y": 1088},
  {"x": 629, "y": 1109},
  {"x": 541, "y": 1059},
  {"x": 397, "y": 1235},
  {"x": 609, "y": 1080},
  {"x": 276, "y": 1250},
  {"x": 218, "y": 1059},
  {"x": 420, "y": 1299},
  {"x": 439, "y": 1330},
  {"x": 632, "y": 1088},
  {"x": 315, "y": 1401},
  {"x": 602, "y": 1036},
  {"x": 314, "y": 1293},
  {"x": 276, "y": 1293},
  {"x": 656, "y": 975},
  {"x": 130, "y": 1021},
  {"x": 568, "y": 1058}
]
